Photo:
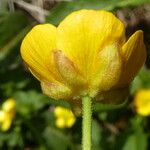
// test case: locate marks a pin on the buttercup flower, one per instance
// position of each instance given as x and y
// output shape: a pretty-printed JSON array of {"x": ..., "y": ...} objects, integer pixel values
[
  {"x": 142, "y": 102},
  {"x": 87, "y": 54},
  {"x": 7, "y": 114},
  {"x": 64, "y": 117}
]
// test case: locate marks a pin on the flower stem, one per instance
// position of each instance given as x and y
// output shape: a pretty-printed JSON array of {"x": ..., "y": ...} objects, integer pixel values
[{"x": 86, "y": 123}]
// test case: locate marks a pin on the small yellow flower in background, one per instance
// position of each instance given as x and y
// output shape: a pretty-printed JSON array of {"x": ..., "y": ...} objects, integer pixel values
[
  {"x": 7, "y": 114},
  {"x": 9, "y": 106},
  {"x": 87, "y": 54},
  {"x": 64, "y": 117},
  {"x": 142, "y": 102}
]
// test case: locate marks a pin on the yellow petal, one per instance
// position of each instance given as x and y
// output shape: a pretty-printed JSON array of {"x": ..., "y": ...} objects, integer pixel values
[
  {"x": 84, "y": 33},
  {"x": 9, "y": 105},
  {"x": 134, "y": 55},
  {"x": 64, "y": 117},
  {"x": 6, "y": 120},
  {"x": 145, "y": 111},
  {"x": 70, "y": 121},
  {"x": 58, "y": 112},
  {"x": 60, "y": 123},
  {"x": 142, "y": 102},
  {"x": 56, "y": 91},
  {"x": 36, "y": 50},
  {"x": 2, "y": 116},
  {"x": 6, "y": 125}
]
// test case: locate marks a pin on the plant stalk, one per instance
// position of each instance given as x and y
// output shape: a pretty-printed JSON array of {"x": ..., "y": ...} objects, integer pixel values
[{"x": 86, "y": 122}]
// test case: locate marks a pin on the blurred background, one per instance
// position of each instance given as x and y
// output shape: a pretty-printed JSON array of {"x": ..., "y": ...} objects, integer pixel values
[{"x": 31, "y": 121}]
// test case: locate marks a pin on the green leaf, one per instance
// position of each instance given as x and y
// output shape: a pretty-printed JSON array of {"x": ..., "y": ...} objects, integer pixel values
[
  {"x": 136, "y": 141},
  {"x": 3, "y": 5},
  {"x": 4, "y": 51},
  {"x": 11, "y": 31},
  {"x": 98, "y": 107},
  {"x": 96, "y": 135},
  {"x": 55, "y": 139},
  {"x": 9, "y": 26},
  {"x": 29, "y": 102},
  {"x": 13, "y": 138},
  {"x": 141, "y": 81},
  {"x": 62, "y": 9}
]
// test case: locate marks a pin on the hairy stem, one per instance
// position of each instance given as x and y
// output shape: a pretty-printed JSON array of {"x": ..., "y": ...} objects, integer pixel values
[{"x": 86, "y": 123}]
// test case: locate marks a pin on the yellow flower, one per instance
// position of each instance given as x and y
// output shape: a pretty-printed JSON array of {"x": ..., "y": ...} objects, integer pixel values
[
  {"x": 64, "y": 117},
  {"x": 9, "y": 105},
  {"x": 142, "y": 102},
  {"x": 87, "y": 54},
  {"x": 7, "y": 114}
]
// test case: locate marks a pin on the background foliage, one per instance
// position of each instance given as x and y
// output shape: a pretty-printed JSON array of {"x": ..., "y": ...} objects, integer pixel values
[{"x": 34, "y": 123}]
